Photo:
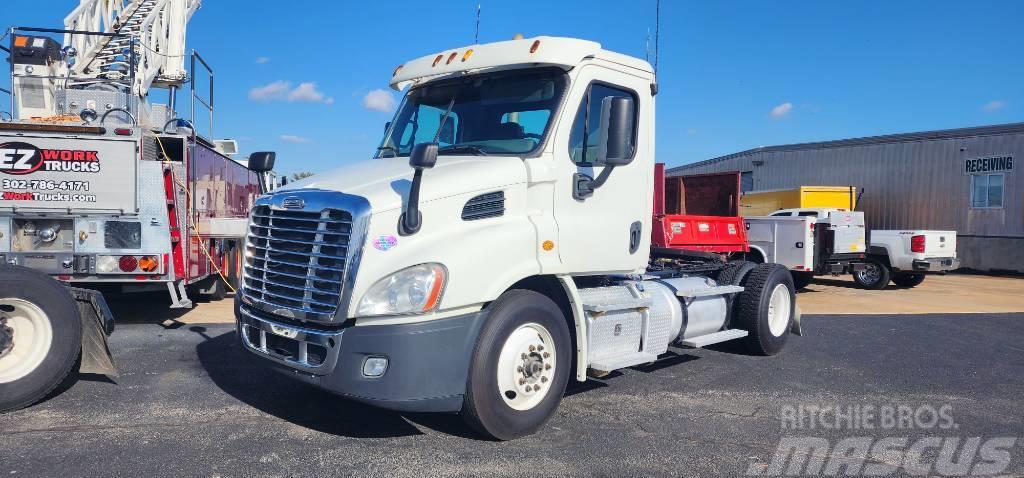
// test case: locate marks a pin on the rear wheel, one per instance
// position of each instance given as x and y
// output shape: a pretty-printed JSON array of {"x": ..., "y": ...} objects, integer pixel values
[
  {"x": 802, "y": 279},
  {"x": 40, "y": 336},
  {"x": 766, "y": 308},
  {"x": 874, "y": 276},
  {"x": 519, "y": 368},
  {"x": 908, "y": 280}
]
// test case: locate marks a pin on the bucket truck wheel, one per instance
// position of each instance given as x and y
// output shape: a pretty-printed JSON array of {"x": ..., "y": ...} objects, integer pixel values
[
  {"x": 766, "y": 308},
  {"x": 908, "y": 280},
  {"x": 874, "y": 276},
  {"x": 802, "y": 279},
  {"x": 40, "y": 336},
  {"x": 519, "y": 367}
]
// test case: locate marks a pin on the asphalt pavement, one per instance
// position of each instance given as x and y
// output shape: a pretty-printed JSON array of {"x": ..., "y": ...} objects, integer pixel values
[{"x": 188, "y": 402}]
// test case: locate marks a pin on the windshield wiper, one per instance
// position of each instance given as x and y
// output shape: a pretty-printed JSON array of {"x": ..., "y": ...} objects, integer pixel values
[{"x": 463, "y": 148}]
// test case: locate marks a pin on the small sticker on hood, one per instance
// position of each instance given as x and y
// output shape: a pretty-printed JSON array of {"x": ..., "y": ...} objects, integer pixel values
[{"x": 385, "y": 242}]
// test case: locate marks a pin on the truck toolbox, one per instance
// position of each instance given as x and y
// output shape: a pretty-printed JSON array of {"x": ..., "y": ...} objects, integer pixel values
[{"x": 763, "y": 203}]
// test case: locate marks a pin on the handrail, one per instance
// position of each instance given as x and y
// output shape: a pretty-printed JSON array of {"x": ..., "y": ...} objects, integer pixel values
[{"x": 192, "y": 87}]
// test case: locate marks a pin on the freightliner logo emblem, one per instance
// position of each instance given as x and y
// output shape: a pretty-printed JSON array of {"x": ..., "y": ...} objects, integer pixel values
[{"x": 293, "y": 202}]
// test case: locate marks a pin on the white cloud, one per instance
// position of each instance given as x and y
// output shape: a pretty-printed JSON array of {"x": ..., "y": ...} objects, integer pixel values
[
  {"x": 308, "y": 93},
  {"x": 994, "y": 105},
  {"x": 274, "y": 91},
  {"x": 379, "y": 100},
  {"x": 282, "y": 91},
  {"x": 291, "y": 138},
  {"x": 262, "y": 60},
  {"x": 781, "y": 110}
]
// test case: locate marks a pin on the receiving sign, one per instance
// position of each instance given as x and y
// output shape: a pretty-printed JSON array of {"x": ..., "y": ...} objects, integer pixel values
[{"x": 989, "y": 164}]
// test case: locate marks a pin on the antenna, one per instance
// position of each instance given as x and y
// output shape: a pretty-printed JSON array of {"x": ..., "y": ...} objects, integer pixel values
[
  {"x": 476, "y": 36},
  {"x": 647, "y": 46},
  {"x": 657, "y": 31}
]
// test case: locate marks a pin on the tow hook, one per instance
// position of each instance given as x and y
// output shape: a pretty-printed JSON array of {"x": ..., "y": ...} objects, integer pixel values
[{"x": 6, "y": 337}]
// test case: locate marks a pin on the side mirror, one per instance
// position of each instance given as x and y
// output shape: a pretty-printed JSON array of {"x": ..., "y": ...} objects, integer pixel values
[
  {"x": 423, "y": 156},
  {"x": 615, "y": 136},
  {"x": 262, "y": 161}
]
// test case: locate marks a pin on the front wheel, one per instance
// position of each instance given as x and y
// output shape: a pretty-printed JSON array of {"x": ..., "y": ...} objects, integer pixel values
[
  {"x": 519, "y": 368},
  {"x": 40, "y": 336},
  {"x": 874, "y": 276}
]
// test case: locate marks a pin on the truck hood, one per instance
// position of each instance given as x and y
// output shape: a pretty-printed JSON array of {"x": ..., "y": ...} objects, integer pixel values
[{"x": 385, "y": 182}]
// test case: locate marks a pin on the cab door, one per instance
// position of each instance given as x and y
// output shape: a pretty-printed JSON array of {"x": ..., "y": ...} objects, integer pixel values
[{"x": 607, "y": 229}]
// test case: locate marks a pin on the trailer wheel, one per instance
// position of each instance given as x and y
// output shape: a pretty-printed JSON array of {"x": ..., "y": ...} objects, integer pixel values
[
  {"x": 874, "y": 276},
  {"x": 40, "y": 336},
  {"x": 519, "y": 368},
  {"x": 802, "y": 279},
  {"x": 766, "y": 308},
  {"x": 908, "y": 280}
]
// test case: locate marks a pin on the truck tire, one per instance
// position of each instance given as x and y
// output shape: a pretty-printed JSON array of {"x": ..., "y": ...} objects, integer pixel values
[
  {"x": 734, "y": 272},
  {"x": 766, "y": 308},
  {"x": 875, "y": 275},
  {"x": 41, "y": 337},
  {"x": 802, "y": 279},
  {"x": 908, "y": 280},
  {"x": 524, "y": 343}
]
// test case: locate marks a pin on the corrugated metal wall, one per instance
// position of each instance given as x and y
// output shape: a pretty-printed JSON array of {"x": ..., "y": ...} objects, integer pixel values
[{"x": 908, "y": 184}]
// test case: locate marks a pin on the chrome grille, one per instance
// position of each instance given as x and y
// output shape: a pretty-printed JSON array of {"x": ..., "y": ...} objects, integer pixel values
[{"x": 296, "y": 259}]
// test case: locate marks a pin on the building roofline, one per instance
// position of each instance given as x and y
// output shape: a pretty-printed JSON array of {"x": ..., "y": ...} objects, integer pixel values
[{"x": 888, "y": 138}]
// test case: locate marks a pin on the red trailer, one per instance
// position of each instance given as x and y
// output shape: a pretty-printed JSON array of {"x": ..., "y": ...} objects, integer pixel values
[{"x": 698, "y": 213}]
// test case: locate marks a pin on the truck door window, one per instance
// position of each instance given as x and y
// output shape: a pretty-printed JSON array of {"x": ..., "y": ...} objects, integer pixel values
[
  {"x": 583, "y": 138},
  {"x": 808, "y": 213}
]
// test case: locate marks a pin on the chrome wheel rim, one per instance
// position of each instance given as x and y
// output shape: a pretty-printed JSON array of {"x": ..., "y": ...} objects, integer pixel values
[
  {"x": 870, "y": 275},
  {"x": 31, "y": 338},
  {"x": 526, "y": 366}
]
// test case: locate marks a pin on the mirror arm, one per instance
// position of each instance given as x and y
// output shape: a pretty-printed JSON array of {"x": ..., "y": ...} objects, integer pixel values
[
  {"x": 410, "y": 221},
  {"x": 584, "y": 186}
]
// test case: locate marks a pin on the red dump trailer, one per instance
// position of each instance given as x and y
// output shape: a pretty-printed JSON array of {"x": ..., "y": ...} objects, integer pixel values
[{"x": 698, "y": 213}]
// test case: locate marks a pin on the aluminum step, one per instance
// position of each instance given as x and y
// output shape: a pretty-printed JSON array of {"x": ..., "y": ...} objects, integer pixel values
[
  {"x": 610, "y": 364},
  {"x": 705, "y": 340},
  {"x": 719, "y": 290},
  {"x": 637, "y": 303}
]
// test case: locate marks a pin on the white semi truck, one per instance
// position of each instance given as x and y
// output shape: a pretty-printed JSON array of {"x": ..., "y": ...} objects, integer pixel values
[{"x": 496, "y": 247}]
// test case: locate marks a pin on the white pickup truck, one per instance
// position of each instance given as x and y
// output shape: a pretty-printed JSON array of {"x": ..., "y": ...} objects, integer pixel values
[
  {"x": 900, "y": 256},
  {"x": 905, "y": 256}
]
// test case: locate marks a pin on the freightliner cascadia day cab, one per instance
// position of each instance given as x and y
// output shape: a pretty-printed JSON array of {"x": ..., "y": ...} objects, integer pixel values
[{"x": 497, "y": 246}]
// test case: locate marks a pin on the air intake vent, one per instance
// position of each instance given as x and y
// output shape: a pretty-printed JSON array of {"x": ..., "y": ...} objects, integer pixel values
[{"x": 484, "y": 206}]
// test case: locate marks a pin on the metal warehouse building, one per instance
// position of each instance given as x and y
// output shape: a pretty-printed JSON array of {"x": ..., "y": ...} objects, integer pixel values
[{"x": 961, "y": 179}]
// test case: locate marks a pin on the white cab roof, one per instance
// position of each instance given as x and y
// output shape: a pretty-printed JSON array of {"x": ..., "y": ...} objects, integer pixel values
[{"x": 543, "y": 50}]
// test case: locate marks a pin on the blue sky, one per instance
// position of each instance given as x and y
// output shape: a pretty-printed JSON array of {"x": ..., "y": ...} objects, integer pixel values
[{"x": 733, "y": 75}]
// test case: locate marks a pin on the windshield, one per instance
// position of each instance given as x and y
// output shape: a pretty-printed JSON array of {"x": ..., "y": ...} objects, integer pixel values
[{"x": 497, "y": 113}]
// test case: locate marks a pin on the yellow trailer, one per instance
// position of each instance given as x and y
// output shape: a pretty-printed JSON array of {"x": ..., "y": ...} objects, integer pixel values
[{"x": 763, "y": 203}]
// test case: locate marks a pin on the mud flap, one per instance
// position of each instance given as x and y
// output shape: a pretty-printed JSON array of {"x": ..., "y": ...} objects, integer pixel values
[
  {"x": 97, "y": 324},
  {"x": 795, "y": 328}
]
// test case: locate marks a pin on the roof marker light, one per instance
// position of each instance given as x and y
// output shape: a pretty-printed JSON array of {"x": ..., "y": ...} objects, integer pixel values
[
  {"x": 451, "y": 57},
  {"x": 397, "y": 69},
  {"x": 468, "y": 54},
  {"x": 437, "y": 59},
  {"x": 533, "y": 48}
]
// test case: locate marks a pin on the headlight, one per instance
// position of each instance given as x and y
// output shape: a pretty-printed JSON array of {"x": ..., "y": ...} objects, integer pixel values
[{"x": 413, "y": 290}]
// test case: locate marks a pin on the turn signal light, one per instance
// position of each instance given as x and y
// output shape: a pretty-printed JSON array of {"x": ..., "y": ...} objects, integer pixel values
[{"x": 148, "y": 263}]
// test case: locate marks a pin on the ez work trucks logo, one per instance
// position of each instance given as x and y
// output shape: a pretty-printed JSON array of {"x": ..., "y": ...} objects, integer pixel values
[{"x": 23, "y": 158}]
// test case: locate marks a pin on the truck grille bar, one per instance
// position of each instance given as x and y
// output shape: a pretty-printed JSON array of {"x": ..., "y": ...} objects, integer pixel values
[{"x": 296, "y": 260}]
